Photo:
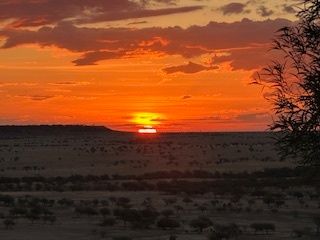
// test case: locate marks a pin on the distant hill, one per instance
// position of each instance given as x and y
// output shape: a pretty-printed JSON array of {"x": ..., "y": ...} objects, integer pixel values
[{"x": 42, "y": 130}]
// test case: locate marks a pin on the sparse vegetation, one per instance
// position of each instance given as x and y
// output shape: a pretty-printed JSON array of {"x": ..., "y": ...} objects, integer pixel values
[{"x": 183, "y": 201}]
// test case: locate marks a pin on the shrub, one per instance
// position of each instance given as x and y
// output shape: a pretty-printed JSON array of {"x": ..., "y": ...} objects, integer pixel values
[
  {"x": 9, "y": 223},
  {"x": 225, "y": 232},
  {"x": 122, "y": 238},
  {"x": 301, "y": 232},
  {"x": 263, "y": 227},
  {"x": 108, "y": 222},
  {"x": 200, "y": 223},
  {"x": 105, "y": 211},
  {"x": 167, "y": 223}
]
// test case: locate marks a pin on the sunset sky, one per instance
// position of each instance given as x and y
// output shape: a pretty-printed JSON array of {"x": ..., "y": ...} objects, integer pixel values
[{"x": 176, "y": 65}]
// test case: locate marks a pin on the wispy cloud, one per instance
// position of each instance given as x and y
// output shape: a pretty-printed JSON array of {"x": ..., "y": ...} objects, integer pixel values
[
  {"x": 185, "y": 97},
  {"x": 264, "y": 11},
  {"x": 37, "y": 97},
  {"x": 39, "y": 13},
  {"x": 234, "y": 8},
  {"x": 189, "y": 68}
]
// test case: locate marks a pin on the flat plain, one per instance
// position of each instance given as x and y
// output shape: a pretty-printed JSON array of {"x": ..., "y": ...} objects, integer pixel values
[{"x": 94, "y": 183}]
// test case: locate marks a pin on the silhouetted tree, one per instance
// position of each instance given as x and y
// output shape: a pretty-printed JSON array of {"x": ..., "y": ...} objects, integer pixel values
[
  {"x": 167, "y": 213},
  {"x": 187, "y": 200},
  {"x": 105, "y": 212},
  {"x": 110, "y": 221},
  {"x": 89, "y": 211},
  {"x": 6, "y": 200},
  {"x": 225, "y": 232},
  {"x": 49, "y": 219},
  {"x": 18, "y": 211},
  {"x": 263, "y": 227},
  {"x": 167, "y": 223},
  {"x": 295, "y": 86},
  {"x": 200, "y": 223},
  {"x": 173, "y": 237},
  {"x": 9, "y": 223}
]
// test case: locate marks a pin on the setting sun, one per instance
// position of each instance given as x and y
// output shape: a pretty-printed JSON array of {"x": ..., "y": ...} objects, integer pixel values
[
  {"x": 147, "y": 119},
  {"x": 147, "y": 130}
]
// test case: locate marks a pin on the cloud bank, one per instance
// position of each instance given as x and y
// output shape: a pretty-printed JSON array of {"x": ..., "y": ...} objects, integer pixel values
[
  {"x": 23, "y": 13},
  {"x": 97, "y": 44}
]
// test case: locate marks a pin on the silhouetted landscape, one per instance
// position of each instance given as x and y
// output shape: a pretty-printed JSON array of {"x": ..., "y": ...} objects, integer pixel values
[{"x": 79, "y": 182}]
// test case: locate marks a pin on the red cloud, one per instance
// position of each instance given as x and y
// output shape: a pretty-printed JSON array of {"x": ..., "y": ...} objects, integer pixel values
[
  {"x": 40, "y": 12},
  {"x": 248, "y": 58},
  {"x": 189, "y": 68},
  {"x": 233, "y": 8},
  {"x": 98, "y": 44}
]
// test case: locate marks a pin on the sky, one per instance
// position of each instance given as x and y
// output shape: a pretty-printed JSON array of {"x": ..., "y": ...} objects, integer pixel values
[{"x": 174, "y": 65}]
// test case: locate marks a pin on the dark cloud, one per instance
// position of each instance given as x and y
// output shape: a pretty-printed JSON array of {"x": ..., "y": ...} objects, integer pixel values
[
  {"x": 188, "y": 68},
  {"x": 137, "y": 22},
  {"x": 245, "y": 59},
  {"x": 252, "y": 58},
  {"x": 40, "y": 12},
  {"x": 185, "y": 97},
  {"x": 121, "y": 15},
  {"x": 152, "y": 2},
  {"x": 91, "y": 58},
  {"x": 288, "y": 9},
  {"x": 233, "y": 8},
  {"x": 264, "y": 12},
  {"x": 173, "y": 2},
  {"x": 247, "y": 117},
  {"x": 98, "y": 44},
  {"x": 40, "y": 97},
  {"x": 70, "y": 83},
  {"x": 37, "y": 97},
  {"x": 242, "y": 117},
  {"x": 64, "y": 83}
]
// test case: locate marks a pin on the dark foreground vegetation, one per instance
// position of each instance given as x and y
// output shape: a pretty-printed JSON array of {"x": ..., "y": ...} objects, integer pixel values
[
  {"x": 87, "y": 183},
  {"x": 173, "y": 203},
  {"x": 193, "y": 182},
  {"x": 42, "y": 130}
]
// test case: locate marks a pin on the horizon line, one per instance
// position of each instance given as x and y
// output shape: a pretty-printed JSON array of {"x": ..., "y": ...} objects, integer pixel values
[{"x": 129, "y": 131}]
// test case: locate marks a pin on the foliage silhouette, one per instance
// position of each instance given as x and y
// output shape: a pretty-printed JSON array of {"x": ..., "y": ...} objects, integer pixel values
[{"x": 294, "y": 84}]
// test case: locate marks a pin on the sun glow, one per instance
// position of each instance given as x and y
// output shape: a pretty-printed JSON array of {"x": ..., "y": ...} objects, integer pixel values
[
  {"x": 147, "y": 119},
  {"x": 147, "y": 130}
]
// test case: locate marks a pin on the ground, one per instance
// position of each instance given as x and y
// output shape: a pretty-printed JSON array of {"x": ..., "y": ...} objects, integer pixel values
[{"x": 154, "y": 172}]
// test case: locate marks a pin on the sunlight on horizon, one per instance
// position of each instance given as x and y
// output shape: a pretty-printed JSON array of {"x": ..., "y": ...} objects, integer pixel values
[
  {"x": 147, "y": 119},
  {"x": 147, "y": 130}
]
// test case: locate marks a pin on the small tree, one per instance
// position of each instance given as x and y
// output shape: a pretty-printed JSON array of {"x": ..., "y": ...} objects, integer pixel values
[
  {"x": 225, "y": 232},
  {"x": 263, "y": 227},
  {"x": 8, "y": 223},
  {"x": 295, "y": 86},
  {"x": 18, "y": 211},
  {"x": 49, "y": 219},
  {"x": 108, "y": 222},
  {"x": 167, "y": 223},
  {"x": 187, "y": 200},
  {"x": 200, "y": 223},
  {"x": 105, "y": 212},
  {"x": 173, "y": 237},
  {"x": 167, "y": 213},
  {"x": 32, "y": 217},
  {"x": 148, "y": 217}
]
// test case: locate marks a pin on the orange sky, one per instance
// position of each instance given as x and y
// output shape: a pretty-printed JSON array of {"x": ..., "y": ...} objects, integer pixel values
[{"x": 175, "y": 65}]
